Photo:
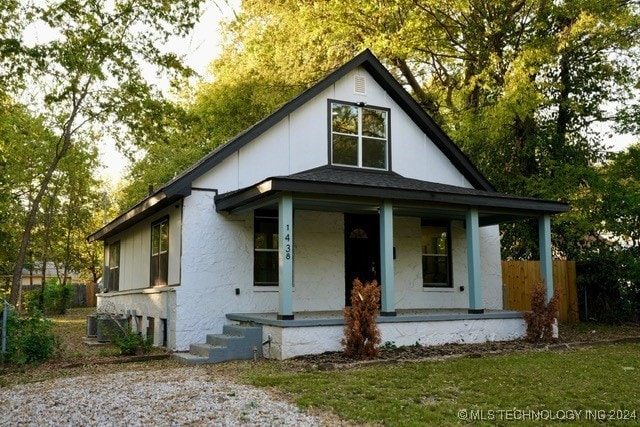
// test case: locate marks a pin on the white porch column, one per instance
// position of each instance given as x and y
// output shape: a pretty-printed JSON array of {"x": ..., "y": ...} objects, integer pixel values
[
  {"x": 285, "y": 257},
  {"x": 546, "y": 259},
  {"x": 386, "y": 260},
  {"x": 473, "y": 262}
]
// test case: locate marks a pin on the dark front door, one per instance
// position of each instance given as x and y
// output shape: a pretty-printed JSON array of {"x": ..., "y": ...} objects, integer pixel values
[{"x": 362, "y": 250}]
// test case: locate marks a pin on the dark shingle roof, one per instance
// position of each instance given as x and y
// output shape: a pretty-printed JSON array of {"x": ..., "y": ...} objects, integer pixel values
[{"x": 338, "y": 181}]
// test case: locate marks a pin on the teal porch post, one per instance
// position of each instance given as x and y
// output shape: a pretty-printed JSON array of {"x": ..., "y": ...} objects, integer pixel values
[
  {"x": 386, "y": 259},
  {"x": 473, "y": 262},
  {"x": 285, "y": 257},
  {"x": 546, "y": 260}
]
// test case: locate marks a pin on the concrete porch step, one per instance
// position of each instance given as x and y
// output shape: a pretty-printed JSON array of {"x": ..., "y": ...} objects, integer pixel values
[
  {"x": 237, "y": 342},
  {"x": 190, "y": 359}
]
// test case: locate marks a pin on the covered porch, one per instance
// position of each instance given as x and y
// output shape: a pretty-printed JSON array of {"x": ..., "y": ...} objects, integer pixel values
[{"x": 388, "y": 196}]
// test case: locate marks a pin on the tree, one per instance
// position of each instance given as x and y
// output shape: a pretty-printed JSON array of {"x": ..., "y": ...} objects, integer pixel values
[
  {"x": 518, "y": 84},
  {"x": 90, "y": 72},
  {"x": 618, "y": 206}
]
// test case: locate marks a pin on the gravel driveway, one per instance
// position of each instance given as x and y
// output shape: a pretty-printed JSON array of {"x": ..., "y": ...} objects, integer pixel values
[{"x": 169, "y": 397}]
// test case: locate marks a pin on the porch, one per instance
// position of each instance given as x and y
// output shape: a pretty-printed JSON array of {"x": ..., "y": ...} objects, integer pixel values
[
  {"x": 321, "y": 331},
  {"x": 397, "y": 209}
]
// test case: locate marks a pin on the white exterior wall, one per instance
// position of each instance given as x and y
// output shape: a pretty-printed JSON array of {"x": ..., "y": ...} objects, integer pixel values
[
  {"x": 296, "y": 341},
  {"x": 411, "y": 294},
  {"x": 156, "y": 303},
  {"x": 318, "y": 271},
  {"x": 301, "y": 141},
  {"x": 218, "y": 258},
  {"x": 135, "y": 295},
  {"x": 135, "y": 250}
]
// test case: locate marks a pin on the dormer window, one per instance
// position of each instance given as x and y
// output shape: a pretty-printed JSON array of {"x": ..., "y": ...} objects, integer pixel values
[{"x": 359, "y": 136}]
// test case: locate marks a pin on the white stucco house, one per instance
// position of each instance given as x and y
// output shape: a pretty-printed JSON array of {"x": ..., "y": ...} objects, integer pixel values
[{"x": 350, "y": 179}]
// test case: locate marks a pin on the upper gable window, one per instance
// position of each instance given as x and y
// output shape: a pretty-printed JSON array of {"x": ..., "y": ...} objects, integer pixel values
[{"x": 359, "y": 136}]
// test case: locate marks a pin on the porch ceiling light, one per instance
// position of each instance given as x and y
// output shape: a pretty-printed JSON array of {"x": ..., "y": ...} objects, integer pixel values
[{"x": 264, "y": 187}]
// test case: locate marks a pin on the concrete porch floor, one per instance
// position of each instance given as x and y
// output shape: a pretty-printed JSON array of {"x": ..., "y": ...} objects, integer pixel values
[{"x": 331, "y": 318}]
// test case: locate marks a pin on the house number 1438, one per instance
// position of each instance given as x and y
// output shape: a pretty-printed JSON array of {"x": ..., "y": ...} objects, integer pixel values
[{"x": 287, "y": 246}]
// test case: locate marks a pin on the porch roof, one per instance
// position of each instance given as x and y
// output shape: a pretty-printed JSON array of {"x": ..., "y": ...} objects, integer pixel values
[{"x": 346, "y": 186}]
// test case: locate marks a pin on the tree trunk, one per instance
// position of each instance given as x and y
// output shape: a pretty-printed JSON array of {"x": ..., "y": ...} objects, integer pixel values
[
  {"x": 79, "y": 94},
  {"x": 424, "y": 100}
]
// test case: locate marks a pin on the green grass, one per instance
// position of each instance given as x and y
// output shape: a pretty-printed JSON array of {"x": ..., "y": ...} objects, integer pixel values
[{"x": 431, "y": 393}]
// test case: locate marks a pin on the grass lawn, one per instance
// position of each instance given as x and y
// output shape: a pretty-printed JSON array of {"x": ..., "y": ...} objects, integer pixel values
[{"x": 496, "y": 389}]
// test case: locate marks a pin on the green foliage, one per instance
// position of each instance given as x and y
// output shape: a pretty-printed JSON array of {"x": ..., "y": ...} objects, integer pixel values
[
  {"x": 29, "y": 338},
  {"x": 609, "y": 274},
  {"x": 361, "y": 333},
  {"x": 389, "y": 345},
  {"x": 131, "y": 342},
  {"x": 608, "y": 285},
  {"x": 86, "y": 80},
  {"x": 57, "y": 297}
]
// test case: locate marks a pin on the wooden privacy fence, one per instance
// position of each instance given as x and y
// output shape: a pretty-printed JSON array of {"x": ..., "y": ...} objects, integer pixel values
[
  {"x": 519, "y": 278},
  {"x": 84, "y": 294}
]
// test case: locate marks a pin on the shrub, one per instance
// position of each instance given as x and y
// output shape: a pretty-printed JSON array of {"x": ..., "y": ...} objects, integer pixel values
[
  {"x": 362, "y": 335},
  {"x": 131, "y": 342},
  {"x": 57, "y": 297},
  {"x": 543, "y": 315},
  {"x": 29, "y": 338}
]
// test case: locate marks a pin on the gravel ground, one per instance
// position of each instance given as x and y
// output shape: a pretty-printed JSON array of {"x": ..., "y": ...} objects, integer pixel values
[{"x": 172, "y": 397}]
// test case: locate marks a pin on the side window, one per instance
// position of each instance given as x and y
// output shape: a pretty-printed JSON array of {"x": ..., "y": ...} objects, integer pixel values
[
  {"x": 160, "y": 252},
  {"x": 359, "y": 136},
  {"x": 114, "y": 267},
  {"x": 265, "y": 248},
  {"x": 436, "y": 256}
]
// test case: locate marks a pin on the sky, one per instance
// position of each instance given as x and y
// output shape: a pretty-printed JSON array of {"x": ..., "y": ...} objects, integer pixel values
[{"x": 199, "y": 49}]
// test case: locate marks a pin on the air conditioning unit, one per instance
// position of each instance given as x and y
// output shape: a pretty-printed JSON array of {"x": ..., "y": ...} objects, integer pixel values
[
  {"x": 110, "y": 327},
  {"x": 92, "y": 325}
]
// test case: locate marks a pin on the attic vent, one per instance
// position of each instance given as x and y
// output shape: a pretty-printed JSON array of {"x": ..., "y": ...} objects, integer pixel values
[{"x": 359, "y": 85}]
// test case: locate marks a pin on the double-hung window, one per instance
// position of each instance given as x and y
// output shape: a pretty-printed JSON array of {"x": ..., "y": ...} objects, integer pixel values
[
  {"x": 114, "y": 267},
  {"x": 359, "y": 136},
  {"x": 265, "y": 247},
  {"x": 436, "y": 256},
  {"x": 160, "y": 252}
]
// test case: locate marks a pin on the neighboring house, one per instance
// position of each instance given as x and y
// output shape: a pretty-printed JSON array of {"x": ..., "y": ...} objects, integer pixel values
[
  {"x": 51, "y": 272},
  {"x": 350, "y": 179}
]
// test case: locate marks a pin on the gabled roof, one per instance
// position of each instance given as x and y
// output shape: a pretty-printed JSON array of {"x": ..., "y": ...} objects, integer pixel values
[{"x": 180, "y": 186}]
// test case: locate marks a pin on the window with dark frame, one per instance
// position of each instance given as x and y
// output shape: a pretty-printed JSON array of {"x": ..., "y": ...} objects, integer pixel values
[
  {"x": 359, "y": 136},
  {"x": 114, "y": 267},
  {"x": 265, "y": 247},
  {"x": 436, "y": 255},
  {"x": 160, "y": 252}
]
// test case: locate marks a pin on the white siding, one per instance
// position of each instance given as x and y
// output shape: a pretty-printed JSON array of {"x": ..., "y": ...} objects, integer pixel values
[
  {"x": 135, "y": 250},
  {"x": 301, "y": 141}
]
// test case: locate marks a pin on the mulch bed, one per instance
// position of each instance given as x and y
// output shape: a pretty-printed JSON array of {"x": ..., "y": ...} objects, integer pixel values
[{"x": 567, "y": 340}]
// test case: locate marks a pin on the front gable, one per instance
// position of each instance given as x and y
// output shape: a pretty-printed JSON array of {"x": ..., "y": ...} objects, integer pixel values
[
  {"x": 296, "y": 137},
  {"x": 302, "y": 140}
]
